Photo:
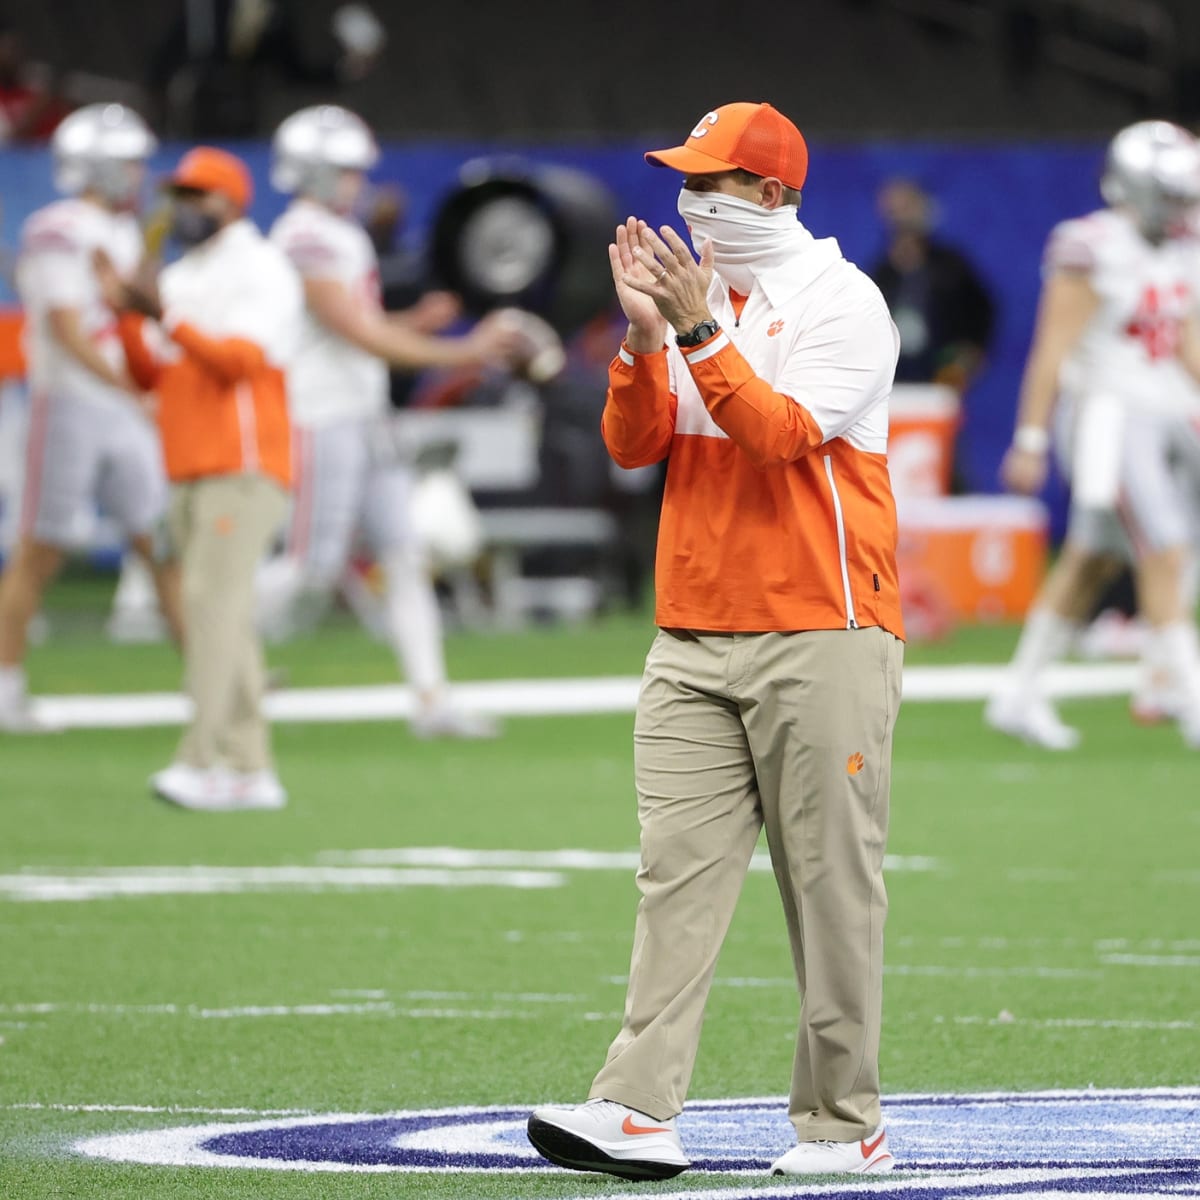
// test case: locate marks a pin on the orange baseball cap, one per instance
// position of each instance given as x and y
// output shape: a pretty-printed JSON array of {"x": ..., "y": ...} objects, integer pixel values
[
  {"x": 755, "y": 137},
  {"x": 207, "y": 169}
]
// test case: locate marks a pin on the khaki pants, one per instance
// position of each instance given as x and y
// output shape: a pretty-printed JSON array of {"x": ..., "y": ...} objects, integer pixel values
[
  {"x": 735, "y": 731},
  {"x": 221, "y": 526}
]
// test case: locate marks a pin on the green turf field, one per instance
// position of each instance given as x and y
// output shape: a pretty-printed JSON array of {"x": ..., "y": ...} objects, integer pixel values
[{"x": 1063, "y": 894}]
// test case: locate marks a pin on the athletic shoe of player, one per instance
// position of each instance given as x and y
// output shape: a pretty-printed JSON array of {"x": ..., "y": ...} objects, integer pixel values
[
  {"x": 447, "y": 721},
  {"x": 18, "y": 713},
  {"x": 202, "y": 789},
  {"x": 1112, "y": 635},
  {"x": 870, "y": 1156},
  {"x": 258, "y": 789},
  {"x": 1156, "y": 705},
  {"x": 608, "y": 1137},
  {"x": 1032, "y": 719},
  {"x": 20, "y": 716},
  {"x": 1189, "y": 726}
]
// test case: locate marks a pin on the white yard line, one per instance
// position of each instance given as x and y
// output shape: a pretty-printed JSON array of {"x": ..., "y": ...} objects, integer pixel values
[
  {"x": 557, "y": 860},
  {"x": 1150, "y": 960},
  {"x": 1120, "y": 1023},
  {"x": 346, "y": 871},
  {"x": 1100, "y": 946},
  {"x": 1174, "y": 945},
  {"x": 103, "y": 883},
  {"x": 917, "y": 970},
  {"x": 935, "y": 971},
  {"x": 375, "y": 1008},
  {"x": 390, "y": 1009},
  {"x": 538, "y": 697}
]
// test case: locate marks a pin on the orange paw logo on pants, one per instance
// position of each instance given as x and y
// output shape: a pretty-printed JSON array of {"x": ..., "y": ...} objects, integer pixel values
[{"x": 855, "y": 763}]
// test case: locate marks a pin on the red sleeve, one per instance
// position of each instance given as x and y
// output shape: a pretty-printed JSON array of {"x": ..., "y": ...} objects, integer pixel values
[
  {"x": 768, "y": 427},
  {"x": 312, "y": 255},
  {"x": 230, "y": 359},
  {"x": 639, "y": 410},
  {"x": 143, "y": 366}
]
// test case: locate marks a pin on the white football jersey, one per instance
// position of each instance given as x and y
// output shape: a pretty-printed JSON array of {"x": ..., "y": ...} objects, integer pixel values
[
  {"x": 1128, "y": 350},
  {"x": 54, "y": 270},
  {"x": 331, "y": 379}
]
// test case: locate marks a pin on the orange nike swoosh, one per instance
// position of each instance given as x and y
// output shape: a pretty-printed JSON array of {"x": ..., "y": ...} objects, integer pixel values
[
  {"x": 627, "y": 1126},
  {"x": 869, "y": 1148}
]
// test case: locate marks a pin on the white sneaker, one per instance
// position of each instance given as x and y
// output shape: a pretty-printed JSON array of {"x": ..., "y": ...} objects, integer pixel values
[
  {"x": 1112, "y": 635},
  {"x": 1032, "y": 719},
  {"x": 209, "y": 789},
  {"x": 1155, "y": 705},
  {"x": 447, "y": 721},
  {"x": 21, "y": 716},
  {"x": 869, "y": 1156},
  {"x": 1189, "y": 726},
  {"x": 258, "y": 789},
  {"x": 604, "y": 1136}
]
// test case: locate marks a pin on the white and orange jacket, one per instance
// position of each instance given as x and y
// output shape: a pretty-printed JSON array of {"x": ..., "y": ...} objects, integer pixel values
[
  {"x": 218, "y": 360},
  {"x": 778, "y": 512}
]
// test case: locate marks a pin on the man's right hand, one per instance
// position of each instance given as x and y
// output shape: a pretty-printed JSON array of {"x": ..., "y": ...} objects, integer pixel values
[
  {"x": 1024, "y": 471},
  {"x": 496, "y": 341},
  {"x": 647, "y": 326}
]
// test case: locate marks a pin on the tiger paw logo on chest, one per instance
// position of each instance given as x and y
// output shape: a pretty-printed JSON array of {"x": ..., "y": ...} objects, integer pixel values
[
  {"x": 774, "y": 328},
  {"x": 855, "y": 763}
]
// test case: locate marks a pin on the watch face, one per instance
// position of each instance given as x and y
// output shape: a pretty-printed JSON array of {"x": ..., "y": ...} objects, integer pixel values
[{"x": 697, "y": 334}]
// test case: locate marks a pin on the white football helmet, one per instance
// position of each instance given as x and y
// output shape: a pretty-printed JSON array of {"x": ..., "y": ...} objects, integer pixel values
[
  {"x": 313, "y": 145},
  {"x": 96, "y": 147},
  {"x": 1153, "y": 169}
]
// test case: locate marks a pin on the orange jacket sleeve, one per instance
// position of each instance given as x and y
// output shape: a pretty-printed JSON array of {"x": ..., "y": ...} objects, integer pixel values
[
  {"x": 143, "y": 366},
  {"x": 230, "y": 358},
  {"x": 639, "y": 410},
  {"x": 770, "y": 428}
]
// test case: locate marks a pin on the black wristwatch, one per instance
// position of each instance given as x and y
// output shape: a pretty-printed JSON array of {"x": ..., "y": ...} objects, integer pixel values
[{"x": 697, "y": 334}]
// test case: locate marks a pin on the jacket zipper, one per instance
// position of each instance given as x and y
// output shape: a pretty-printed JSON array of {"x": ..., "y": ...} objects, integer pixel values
[{"x": 851, "y": 619}]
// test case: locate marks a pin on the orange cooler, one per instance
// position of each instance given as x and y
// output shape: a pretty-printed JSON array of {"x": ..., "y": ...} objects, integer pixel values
[
  {"x": 923, "y": 423},
  {"x": 976, "y": 558},
  {"x": 12, "y": 355}
]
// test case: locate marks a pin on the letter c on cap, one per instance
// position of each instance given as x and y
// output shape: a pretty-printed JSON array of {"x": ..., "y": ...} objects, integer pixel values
[{"x": 705, "y": 123}]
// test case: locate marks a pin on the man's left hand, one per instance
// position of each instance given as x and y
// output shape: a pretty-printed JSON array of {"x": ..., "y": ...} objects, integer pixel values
[
  {"x": 124, "y": 295},
  {"x": 679, "y": 287}
]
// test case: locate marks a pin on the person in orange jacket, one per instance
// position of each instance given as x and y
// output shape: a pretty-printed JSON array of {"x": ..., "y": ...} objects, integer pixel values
[
  {"x": 761, "y": 373},
  {"x": 213, "y": 340}
]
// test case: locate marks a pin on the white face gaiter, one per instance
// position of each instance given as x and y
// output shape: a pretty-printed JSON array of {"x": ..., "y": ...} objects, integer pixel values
[{"x": 746, "y": 237}]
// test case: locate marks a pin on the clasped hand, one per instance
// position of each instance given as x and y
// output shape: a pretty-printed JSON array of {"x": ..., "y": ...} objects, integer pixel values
[
  {"x": 124, "y": 295},
  {"x": 658, "y": 283}
]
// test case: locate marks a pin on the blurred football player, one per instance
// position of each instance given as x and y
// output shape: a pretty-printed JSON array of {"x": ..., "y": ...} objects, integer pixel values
[
  {"x": 1120, "y": 286},
  {"x": 90, "y": 437},
  {"x": 350, "y": 477}
]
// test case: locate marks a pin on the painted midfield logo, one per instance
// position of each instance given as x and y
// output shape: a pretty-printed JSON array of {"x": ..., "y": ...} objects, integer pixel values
[{"x": 1024, "y": 1145}]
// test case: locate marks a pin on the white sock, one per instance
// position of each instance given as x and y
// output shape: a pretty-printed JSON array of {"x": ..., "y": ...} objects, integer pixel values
[
  {"x": 414, "y": 620},
  {"x": 1172, "y": 660},
  {"x": 12, "y": 685},
  {"x": 1045, "y": 638}
]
